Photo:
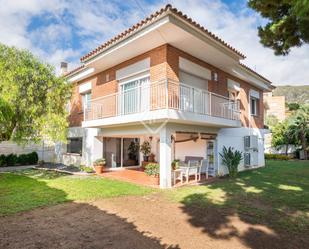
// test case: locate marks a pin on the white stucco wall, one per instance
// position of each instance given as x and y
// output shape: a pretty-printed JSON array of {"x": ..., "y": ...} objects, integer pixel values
[
  {"x": 46, "y": 151},
  {"x": 234, "y": 137},
  {"x": 190, "y": 148}
]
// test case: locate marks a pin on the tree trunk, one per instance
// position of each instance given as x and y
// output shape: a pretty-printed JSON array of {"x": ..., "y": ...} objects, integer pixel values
[{"x": 286, "y": 149}]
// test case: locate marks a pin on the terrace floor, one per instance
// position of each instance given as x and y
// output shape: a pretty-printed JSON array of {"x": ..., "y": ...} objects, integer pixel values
[{"x": 137, "y": 176}]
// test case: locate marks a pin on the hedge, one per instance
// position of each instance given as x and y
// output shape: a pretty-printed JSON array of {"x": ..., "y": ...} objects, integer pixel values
[
  {"x": 22, "y": 159},
  {"x": 277, "y": 157}
]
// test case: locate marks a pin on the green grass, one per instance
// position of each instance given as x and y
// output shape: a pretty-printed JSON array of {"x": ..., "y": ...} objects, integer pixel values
[
  {"x": 29, "y": 189},
  {"x": 277, "y": 196}
]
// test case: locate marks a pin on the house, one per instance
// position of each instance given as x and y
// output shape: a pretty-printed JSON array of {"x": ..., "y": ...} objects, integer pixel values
[
  {"x": 169, "y": 81},
  {"x": 274, "y": 106}
]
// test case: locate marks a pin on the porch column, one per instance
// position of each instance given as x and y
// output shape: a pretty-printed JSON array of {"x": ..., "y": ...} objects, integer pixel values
[
  {"x": 92, "y": 146},
  {"x": 165, "y": 158}
]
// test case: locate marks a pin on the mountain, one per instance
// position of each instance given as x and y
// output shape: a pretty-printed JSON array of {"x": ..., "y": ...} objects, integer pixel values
[{"x": 293, "y": 94}]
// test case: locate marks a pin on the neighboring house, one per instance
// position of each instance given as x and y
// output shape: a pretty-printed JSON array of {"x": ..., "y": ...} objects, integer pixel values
[
  {"x": 275, "y": 106},
  {"x": 169, "y": 81}
]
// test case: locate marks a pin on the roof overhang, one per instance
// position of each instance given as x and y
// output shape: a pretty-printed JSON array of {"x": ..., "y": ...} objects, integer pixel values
[{"x": 171, "y": 29}]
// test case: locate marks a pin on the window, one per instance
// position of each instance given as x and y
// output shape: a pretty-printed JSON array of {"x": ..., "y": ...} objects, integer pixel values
[
  {"x": 254, "y": 106},
  {"x": 86, "y": 100},
  {"x": 215, "y": 76},
  {"x": 75, "y": 145}
]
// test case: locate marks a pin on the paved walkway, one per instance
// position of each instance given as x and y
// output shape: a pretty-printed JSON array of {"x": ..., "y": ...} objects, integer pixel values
[
  {"x": 132, "y": 175},
  {"x": 15, "y": 168}
]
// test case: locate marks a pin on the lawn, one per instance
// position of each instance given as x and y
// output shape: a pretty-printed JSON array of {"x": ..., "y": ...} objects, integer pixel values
[
  {"x": 276, "y": 196},
  {"x": 29, "y": 189}
]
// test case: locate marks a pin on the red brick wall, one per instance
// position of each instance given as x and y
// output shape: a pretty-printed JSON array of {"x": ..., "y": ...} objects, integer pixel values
[{"x": 164, "y": 63}]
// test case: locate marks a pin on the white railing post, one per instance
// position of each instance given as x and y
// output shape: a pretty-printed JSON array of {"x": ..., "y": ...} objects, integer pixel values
[
  {"x": 210, "y": 103},
  {"x": 166, "y": 92}
]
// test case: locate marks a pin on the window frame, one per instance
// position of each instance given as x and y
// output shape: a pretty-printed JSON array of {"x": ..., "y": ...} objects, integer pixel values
[
  {"x": 69, "y": 148},
  {"x": 256, "y": 106},
  {"x": 87, "y": 96}
]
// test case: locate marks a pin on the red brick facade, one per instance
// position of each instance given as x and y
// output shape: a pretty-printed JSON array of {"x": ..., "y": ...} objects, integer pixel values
[{"x": 164, "y": 63}]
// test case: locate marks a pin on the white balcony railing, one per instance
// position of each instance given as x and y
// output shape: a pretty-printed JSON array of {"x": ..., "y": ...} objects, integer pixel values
[{"x": 162, "y": 95}]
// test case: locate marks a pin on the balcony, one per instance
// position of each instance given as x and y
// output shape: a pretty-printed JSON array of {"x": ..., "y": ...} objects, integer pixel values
[{"x": 162, "y": 100}]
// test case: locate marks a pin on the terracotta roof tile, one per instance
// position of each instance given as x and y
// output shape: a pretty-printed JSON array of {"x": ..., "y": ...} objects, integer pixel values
[{"x": 145, "y": 21}]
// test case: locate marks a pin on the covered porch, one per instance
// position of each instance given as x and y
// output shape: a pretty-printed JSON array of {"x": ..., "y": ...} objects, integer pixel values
[{"x": 188, "y": 145}]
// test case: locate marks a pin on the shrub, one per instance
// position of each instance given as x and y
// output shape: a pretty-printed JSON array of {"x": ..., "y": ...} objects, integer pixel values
[
  {"x": 33, "y": 158},
  {"x": 2, "y": 160},
  {"x": 231, "y": 160},
  {"x": 152, "y": 169},
  {"x": 11, "y": 159},
  {"x": 99, "y": 162},
  {"x": 276, "y": 157},
  {"x": 22, "y": 159},
  {"x": 86, "y": 169}
]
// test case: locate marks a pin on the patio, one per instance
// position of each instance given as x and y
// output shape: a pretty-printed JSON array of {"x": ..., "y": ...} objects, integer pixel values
[{"x": 137, "y": 176}]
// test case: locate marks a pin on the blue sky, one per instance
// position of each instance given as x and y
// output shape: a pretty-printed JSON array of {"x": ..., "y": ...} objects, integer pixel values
[{"x": 64, "y": 30}]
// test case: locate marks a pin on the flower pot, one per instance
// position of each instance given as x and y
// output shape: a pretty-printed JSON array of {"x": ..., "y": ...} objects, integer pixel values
[
  {"x": 99, "y": 169},
  {"x": 146, "y": 158}
]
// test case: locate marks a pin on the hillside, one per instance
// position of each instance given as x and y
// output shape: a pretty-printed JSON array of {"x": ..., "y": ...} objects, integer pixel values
[{"x": 293, "y": 94}]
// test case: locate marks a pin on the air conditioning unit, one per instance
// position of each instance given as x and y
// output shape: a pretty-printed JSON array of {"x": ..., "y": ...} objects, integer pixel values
[
  {"x": 251, "y": 142},
  {"x": 251, "y": 159},
  {"x": 247, "y": 159}
]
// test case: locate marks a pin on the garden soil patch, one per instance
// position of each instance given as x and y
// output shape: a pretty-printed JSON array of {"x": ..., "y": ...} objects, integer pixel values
[{"x": 142, "y": 222}]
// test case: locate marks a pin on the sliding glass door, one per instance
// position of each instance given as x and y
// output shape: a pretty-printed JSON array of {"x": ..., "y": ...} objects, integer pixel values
[
  {"x": 121, "y": 152},
  {"x": 135, "y": 96}
]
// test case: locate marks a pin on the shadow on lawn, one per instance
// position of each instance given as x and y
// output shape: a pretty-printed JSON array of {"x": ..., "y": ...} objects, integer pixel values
[
  {"x": 69, "y": 225},
  {"x": 259, "y": 211}
]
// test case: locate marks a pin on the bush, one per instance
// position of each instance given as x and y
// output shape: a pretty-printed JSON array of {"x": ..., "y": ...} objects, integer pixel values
[
  {"x": 2, "y": 160},
  {"x": 231, "y": 160},
  {"x": 86, "y": 169},
  {"x": 276, "y": 157},
  {"x": 11, "y": 159},
  {"x": 33, "y": 158},
  {"x": 152, "y": 169},
  {"x": 22, "y": 159}
]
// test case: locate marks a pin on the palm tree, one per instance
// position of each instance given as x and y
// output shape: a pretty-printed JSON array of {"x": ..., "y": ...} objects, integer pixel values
[{"x": 299, "y": 128}]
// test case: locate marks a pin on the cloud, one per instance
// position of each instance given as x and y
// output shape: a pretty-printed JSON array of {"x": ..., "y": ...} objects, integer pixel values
[{"x": 67, "y": 29}]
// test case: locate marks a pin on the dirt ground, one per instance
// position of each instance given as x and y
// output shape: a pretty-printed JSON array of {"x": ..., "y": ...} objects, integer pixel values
[{"x": 134, "y": 223}]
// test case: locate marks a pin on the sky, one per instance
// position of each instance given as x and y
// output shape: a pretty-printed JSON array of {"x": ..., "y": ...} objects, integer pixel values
[{"x": 65, "y": 30}]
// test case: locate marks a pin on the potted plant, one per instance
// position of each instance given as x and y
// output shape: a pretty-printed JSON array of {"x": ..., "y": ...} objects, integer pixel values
[
  {"x": 151, "y": 158},
  {"x": 153, "y": 170},
  {"x": 99, "y": 165},
  {"x": 133, "y": 152},
  {"x": 145, "y": 149},
  {"x": 175, "y": 164}
]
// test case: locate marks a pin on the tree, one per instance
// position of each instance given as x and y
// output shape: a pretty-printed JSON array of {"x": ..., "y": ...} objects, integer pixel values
[
  {"x": 271, "y": 120},
  {"x": 281, "y": 135},
  {"x": 288, "y": 23},
  {"x": 299, "y": 128},
  {"x": 6, "y": 117},
  {"x": 36, "y": 96}
]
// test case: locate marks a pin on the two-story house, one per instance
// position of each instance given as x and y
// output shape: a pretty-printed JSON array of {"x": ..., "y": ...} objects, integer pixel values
[{"x": 169, "y": 81}]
